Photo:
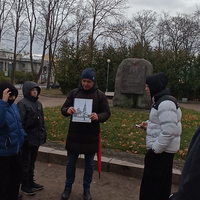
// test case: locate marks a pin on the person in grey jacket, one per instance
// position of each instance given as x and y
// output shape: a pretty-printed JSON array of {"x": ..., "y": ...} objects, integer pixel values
[
  {"x": 163, "y": 130},
  {"x": 32, "y": 117},
  {"x": 83, "y": 137}
]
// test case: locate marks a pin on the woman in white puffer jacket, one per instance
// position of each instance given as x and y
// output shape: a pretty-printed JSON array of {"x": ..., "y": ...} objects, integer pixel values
[{"x": 163, "y": 131}]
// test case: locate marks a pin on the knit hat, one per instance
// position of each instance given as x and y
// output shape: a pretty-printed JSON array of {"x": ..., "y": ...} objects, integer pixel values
[{"x": 89, "y": 74}]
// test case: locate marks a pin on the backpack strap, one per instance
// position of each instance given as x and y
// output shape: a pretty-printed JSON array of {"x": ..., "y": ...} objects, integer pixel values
[{"x": 163, "y": 98}]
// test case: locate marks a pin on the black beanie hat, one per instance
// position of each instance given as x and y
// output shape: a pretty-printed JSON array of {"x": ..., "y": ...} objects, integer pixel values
[
  {"x": 89, "y": 74},
  {"x": 157, "y": 83},
  {"x": 12, "y": 89}
]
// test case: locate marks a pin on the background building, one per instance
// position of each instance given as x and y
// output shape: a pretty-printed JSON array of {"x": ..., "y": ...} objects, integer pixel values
[{"x": 23, "y": 64}]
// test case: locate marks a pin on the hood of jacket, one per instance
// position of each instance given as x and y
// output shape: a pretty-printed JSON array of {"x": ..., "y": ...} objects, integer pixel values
[
  {"x": 12, "y": 89},
  {"x": 26, "y": 89},
  {"x": 157, "y": 83}
]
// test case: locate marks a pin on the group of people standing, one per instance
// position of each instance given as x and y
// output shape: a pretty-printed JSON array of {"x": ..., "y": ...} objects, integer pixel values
[
  {"x": 163, "y": 130},
  {"x": 22, "y": 131}
]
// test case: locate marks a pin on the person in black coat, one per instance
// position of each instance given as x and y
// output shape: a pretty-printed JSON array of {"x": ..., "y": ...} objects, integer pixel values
[
  {"x": 32, "y": 117},
  {"x": 83, "y": 137},
  {"x": 190, "y": 176}
]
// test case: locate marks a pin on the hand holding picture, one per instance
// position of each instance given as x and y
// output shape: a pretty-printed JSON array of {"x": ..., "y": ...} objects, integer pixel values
[
  {"x": 94, "y": 117},
  {"x": 71, "y": 111}
]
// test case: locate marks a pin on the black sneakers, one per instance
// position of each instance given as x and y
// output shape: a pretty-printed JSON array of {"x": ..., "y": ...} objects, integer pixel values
[
  {"x": 27, "y": 190},
  {"x": 36, "y": 186},
  {"x": 87, "y": 195},
  {"x": 30, "y": 189},
  {"x": 65, "y": 194}
]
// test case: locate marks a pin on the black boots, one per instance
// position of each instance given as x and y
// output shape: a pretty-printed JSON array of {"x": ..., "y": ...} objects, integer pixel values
[
  {"x": 65, "y": 194},
  {"x": 27, "y": 190},
  {"x": 36, "y": 186},
  {"x": 87, "y": 195}
]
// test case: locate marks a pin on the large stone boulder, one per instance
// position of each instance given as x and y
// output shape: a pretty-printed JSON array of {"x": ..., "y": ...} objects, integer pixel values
[{"x": 130, "y": 84}]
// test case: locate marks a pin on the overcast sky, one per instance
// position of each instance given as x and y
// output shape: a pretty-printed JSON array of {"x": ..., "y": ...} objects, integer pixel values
[{"x": 171, "y": 6}]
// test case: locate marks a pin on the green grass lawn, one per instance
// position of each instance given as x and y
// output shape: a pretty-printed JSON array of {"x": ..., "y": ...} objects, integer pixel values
[{"x": 119, "y": 132}]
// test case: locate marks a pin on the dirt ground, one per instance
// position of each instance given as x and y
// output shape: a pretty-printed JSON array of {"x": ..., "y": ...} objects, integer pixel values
[{"x": 109, "y": 187}]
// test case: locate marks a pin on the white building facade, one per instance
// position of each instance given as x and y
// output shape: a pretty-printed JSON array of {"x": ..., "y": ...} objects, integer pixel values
[{"x": 23, "y": 64}]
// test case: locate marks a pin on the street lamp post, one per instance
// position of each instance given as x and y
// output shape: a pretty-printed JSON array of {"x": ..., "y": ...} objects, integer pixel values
[
  {"x": 10, "y": 67},
  {"x": 108, "y": 61}
]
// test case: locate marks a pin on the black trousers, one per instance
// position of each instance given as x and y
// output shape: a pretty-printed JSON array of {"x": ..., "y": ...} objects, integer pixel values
[
  {"x": 10, "y": 176},
  {"x": 157, "y": 176},
  {"x": 29, "y": 155}
]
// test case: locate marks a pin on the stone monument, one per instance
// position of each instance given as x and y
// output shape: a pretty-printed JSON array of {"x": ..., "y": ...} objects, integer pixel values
[{"x": 130, "y": 84}]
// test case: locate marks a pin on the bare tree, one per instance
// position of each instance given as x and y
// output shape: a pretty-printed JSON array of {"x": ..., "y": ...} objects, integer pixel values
[
  {"x": 102, "y": 13},
  {"x": 5, "y": 9},
  {"x": 81, "y": 23},
  {"x": 141, "y": 27},
  {"x": 31, "y": 16},
  {"x": 57, "y": 26},
  {"x": 18, "y": 20},
  {"x": 179, "y": 33}
]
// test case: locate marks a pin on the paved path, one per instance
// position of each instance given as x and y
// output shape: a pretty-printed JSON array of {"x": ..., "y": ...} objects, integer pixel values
[
  {"x": 109, "y": 187},
  {"x": 50, "y": 102},
  {"x": 193, "y": 106},
  {"x": 46, "y": 101}
]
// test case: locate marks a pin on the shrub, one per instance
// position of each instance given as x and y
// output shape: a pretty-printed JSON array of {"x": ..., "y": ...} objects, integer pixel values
[
  {"x": 29, "y": 76},
  {"x": 19, "y": 75},
  {"x": 4, "y": 78}
]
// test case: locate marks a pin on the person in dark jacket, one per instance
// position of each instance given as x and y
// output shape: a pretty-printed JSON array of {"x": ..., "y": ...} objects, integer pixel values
[
  {"x": 32, "y": 116},
  {"x": 11, "y": 140},
  {"x": 83, "y": 138},
  {"x": 190, "y": 176}
]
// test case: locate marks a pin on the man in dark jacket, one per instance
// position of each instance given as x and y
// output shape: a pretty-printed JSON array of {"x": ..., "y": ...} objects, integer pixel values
[
  {"x": 83, "y": 137},
  {"x": 11, "y": 140},
  {"x": 32, "y": 116},
  {"x": 190, "y": 176}
]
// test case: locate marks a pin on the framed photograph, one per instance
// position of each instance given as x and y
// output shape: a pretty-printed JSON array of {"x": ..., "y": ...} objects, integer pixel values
[{"x": 83, "y": 109}]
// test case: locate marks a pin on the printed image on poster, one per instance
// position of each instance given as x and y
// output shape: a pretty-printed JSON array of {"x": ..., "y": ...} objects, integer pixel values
[{"x": 83, "y": 109}]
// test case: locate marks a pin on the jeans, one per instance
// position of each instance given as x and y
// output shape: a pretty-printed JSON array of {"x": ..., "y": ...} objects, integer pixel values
[
  {"x": 29, "y": 155},
  {"x": 71, "y": 169}
]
